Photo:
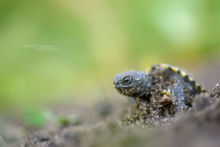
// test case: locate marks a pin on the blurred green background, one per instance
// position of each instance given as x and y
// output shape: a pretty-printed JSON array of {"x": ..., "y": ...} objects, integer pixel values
[{"x": 53, "y": 50}]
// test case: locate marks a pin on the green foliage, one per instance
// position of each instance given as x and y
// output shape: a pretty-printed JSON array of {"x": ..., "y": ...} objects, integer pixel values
[
  {"x": 36, "y": 117},
  {"x": 55, "y": 49},
  {"x": 69, "y": 120}
]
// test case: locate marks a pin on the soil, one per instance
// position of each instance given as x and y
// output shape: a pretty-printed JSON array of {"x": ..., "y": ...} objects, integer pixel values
[{"x": 100, "y": 125}]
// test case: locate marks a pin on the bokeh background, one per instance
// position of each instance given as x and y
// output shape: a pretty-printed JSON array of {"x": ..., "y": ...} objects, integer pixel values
[{"x": 55, "y": 51}]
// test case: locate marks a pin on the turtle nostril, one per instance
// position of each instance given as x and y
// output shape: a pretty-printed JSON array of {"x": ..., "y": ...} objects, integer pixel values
[{"x": 115, "y": 82}]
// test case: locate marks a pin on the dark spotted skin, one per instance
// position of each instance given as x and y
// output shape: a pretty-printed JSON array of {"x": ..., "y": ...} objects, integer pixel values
[
  {"x": 133, "y": 83},
  {"x": 160, "y": 80}
]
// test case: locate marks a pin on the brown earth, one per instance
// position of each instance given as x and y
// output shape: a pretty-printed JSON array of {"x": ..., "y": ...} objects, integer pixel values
[{"x": 99, "y": 125}]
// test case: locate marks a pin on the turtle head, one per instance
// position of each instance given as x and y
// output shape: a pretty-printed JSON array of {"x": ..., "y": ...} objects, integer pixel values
[{"x": 133, "y": 83}]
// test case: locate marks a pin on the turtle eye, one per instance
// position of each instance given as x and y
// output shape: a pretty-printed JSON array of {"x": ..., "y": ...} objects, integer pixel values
[{"x": 127, "y": 80}]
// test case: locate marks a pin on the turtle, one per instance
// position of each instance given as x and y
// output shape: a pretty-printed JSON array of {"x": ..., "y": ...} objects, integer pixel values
[{"x": 167, "y": 84}]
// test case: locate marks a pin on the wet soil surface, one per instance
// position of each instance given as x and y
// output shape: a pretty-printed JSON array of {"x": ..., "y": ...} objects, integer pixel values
[{"x": 100, "y": 125}]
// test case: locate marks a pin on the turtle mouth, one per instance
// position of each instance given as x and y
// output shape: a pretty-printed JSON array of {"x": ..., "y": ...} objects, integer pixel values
[
  {"x": 120, "y": 86},
  {"x": 126, "y": 90}
]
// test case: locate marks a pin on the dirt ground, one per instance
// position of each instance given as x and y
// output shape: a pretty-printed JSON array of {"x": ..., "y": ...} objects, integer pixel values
[{"x": 99, "y": 125}]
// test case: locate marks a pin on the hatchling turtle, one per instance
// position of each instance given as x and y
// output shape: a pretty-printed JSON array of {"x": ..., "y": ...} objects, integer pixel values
[{"x": 161, "y": 85}]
